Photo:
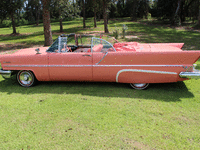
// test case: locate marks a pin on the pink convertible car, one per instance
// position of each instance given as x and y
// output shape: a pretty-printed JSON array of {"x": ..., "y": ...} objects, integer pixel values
[{"x": 84, "y": 58}]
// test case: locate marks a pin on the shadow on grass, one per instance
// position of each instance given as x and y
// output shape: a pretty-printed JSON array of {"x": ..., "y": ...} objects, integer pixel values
[
  {"x": 12, "y": 37},
  {"x": 171, "y": 92}
]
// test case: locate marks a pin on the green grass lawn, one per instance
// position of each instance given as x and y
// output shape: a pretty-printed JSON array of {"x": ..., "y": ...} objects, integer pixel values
[{"x": 84, "y": 115}]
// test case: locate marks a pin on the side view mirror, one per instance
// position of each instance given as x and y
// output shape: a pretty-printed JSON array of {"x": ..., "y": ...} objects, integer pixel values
[{"x": 37, "y": 50}]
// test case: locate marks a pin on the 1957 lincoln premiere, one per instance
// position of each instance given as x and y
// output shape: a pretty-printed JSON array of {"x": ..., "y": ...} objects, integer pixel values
[{"x": 84, "y": 58}]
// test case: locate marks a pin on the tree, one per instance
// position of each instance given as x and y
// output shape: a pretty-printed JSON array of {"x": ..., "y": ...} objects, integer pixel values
[
  {"x": 199, "y": 19},
  {"x": 95, "y": 13},
  {"x": 3, "y": 12},
  {"x": 10, "y": 7},
  {"x": 33, "y": 11},
  {"x": 46, "y": 23},
  {"x": 105, "y": 6},
  {"x": 176, "y": 14},
  {"x": 121, "y": 8},
  {"x": 131, "y": 9},
  {"x": 143, "y": 8},
  {"x": 64, "y": 9},
  {"x": 134, "y": 10},
  {"x": 199, "y": 15},
  {"x": 37, "y": 11},
  {"x": 83, "y": 4},
  {"x": 176, "y": 10}
]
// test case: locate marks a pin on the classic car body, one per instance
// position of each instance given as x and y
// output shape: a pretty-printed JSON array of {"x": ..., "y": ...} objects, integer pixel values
[{"x": 85, "y": 58}]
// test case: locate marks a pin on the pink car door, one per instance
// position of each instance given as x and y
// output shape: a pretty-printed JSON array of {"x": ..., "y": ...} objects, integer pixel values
[{"x": 70, "y": 66}]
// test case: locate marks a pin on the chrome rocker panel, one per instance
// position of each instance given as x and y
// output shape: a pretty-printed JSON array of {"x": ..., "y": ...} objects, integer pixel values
[{"x": 5, "y": 73}]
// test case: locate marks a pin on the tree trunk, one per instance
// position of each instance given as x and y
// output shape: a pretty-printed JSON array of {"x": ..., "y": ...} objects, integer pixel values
[
  {"x": 37, "y": 9},
  {"x": 95, "y": 14},
  {"x": 99, "y": 11},
  {"x": 199, "y": 18},
  {"x": 146, "y": 9},
  {"x": 184, "y": 10},
  {"x": 134, "y": 12},
  {"x": 105, "y": 16},
  {"x": 176, "y": 13},
  {"x": 95, "y": 19},
  {"x": 83, "y": 2},
  {"x": 74, "y": 7},
  {"x": 13, "y": 22},
  {"x": 61, "y": 25},
  {"x": 46, "y": 23}
]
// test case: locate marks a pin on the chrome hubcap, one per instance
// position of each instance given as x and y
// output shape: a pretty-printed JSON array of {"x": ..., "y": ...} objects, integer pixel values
[
  {"x": 139, "y": 85},
  {"x": 26, "y": 78}
]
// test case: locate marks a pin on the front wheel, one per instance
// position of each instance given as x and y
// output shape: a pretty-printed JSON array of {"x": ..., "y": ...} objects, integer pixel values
[
  {"x": 139, "y": 86},
  {"x": 26, "y": 78}
]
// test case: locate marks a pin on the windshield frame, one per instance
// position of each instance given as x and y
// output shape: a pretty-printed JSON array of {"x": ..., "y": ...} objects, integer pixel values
[
  {"x": 92, "y": 45},
  {"x": 57, "y": 44}
]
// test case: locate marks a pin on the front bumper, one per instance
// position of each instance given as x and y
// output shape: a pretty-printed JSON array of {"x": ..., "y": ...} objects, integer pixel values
[
  {"x": 191, "y": 75},
  {"x": 5, "y": 73}
]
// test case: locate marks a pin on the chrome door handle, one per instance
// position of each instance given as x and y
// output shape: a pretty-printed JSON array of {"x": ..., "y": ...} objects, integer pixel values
[{"x": 87, "y": 55}]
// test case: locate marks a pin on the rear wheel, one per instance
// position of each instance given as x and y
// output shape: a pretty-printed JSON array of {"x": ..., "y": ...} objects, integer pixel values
[
  {"x": 139, "y": 86},
  {"x": 26, "y": 78}
]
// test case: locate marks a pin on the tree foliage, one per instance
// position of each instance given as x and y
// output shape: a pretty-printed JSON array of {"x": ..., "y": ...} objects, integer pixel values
[
  {"x": 31, "y": 11},
  {"x": 9, "y": 9},
  {"x": 176, "y": 10}
]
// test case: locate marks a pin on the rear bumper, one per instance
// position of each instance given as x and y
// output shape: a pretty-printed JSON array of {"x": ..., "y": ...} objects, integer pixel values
[
  {"x": 191, "y": 75},
  {"x": 5, "y": 73}
]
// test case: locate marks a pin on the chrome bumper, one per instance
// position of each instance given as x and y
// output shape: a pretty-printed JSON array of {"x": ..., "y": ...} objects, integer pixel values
[
  {"x": 191, "y": 75},
  {"x": 5, "y": 73}
]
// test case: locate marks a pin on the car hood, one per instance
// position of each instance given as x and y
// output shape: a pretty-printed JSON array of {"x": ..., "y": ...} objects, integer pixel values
[{"x": 30, "y": 51}]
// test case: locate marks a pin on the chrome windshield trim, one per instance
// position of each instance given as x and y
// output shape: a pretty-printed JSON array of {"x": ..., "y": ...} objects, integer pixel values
[
  {"x": 59, "y": 44},
  {"x": 102, "y": 58},
  {"x": 143, "y": 71}
]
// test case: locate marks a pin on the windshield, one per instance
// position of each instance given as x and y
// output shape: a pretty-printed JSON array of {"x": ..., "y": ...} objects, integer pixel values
[
  {"x": 59, "y": 44},
  {"x": 101, "y": 45},
  {"x": 76, "y": 43},
  {"x": 53, "y": 47}
]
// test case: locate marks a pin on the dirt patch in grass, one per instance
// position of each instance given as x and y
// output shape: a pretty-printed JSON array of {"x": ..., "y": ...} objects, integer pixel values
[
  {"x": 131, "y": 37},
  {"x": 10, "y": 46},
  {"x": 136, "y": 145}
]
